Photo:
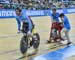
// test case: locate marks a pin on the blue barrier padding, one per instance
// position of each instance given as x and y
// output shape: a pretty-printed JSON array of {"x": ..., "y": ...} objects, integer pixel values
[
  {"x": 60, "y": 54},
  {"x": 8, "y": 13}
]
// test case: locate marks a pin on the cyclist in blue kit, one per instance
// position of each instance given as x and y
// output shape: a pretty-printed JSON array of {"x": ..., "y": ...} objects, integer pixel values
[
  {"x": 27, "y": 26},
  {"x": 20, "y": 17},
  {"x": 55, "y": 24}
]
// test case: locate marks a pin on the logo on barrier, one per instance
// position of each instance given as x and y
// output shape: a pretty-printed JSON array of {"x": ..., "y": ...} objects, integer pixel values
[
  {"x": 60, "y": 11},
  {"x": 35, "y": 13},
  {"x": 7, "y": 13},
  {"x": 71, "y": 10}
]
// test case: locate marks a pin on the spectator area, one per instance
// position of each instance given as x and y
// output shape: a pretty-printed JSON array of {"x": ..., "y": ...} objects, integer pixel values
[{"x": 36, "y": 4}]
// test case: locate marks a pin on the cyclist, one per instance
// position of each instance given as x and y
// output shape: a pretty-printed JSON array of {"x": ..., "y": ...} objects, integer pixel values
[
  {"x": 23, "y": 18},
  {"x": 27, "y": 22},
  {"x": 55, "y": 24}
]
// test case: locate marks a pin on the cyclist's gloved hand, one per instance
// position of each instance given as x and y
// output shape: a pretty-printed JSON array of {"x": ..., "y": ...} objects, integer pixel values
[
  {"x": 19, "y": 31},
  {"x": 29, "y": 33}
]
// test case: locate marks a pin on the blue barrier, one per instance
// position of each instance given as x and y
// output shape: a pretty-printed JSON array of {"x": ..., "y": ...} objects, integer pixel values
[{"x": 8, "y": 13}]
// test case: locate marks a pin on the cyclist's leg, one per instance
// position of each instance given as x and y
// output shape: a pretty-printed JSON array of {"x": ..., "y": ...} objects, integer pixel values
[
  {"x": 48, "y": 41},
  {"x": 56, "y": 26},
  {"x": 52, "y": 28},
  {"x": 59, "y": 28}
]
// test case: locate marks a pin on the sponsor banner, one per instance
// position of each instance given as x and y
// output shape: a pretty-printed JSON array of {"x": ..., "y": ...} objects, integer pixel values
[{"x": 8, "y": 13}]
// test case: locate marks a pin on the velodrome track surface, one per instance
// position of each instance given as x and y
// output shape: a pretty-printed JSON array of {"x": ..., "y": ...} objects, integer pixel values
[{"x": 10, "y": 40}]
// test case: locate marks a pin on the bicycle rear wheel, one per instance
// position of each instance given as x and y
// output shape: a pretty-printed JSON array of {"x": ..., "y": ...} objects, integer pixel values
[{"x": 36, "y": 40}]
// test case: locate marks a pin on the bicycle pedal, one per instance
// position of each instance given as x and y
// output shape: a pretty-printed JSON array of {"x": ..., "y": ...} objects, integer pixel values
[{"x": 29, "y": 46}]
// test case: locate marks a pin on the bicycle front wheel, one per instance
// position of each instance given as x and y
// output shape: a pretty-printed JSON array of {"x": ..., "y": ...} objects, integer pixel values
[{"x": 24, "y": 45}]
